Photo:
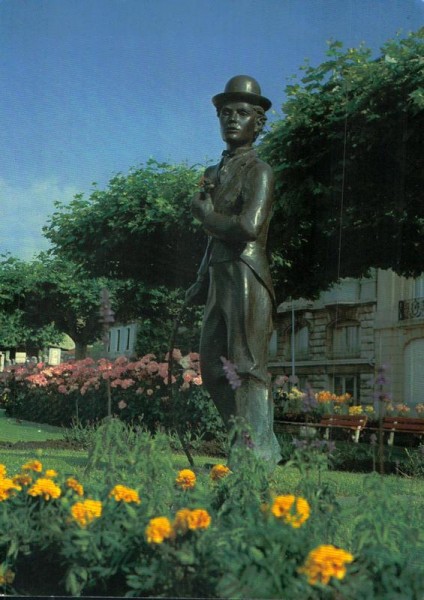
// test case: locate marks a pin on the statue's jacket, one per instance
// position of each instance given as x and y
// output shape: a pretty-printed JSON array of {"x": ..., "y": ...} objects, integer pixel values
[{"x": 238, "y": 225}]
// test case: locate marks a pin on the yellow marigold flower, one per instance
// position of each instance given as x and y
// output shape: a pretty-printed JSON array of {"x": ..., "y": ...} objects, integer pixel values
[
  {"x": 86, "y": 511},
  {"x": 186, "y": 479},
  {"x": 7, "y": 488},
  {"x": 22, "y": 479},
  {"x": 3, "y": 471},
  {"x": 355, "y": 410},
  {"x": 7, "y": 577},
  {"x": 292, "y": 510},
  {"x": 33, "y": 465},
  {"x": 125, "y": 494},
  {"x": 75, "y": 485},
  {"x": 325, "y": 562},
  {"x": 181, "y": 520},
  {"x": 198, "y": 519},
  {"x": 46, "y": 488},
  {"x": 50, "y": 473},
  {"x": 219, "y": 471},
  {"x": 158, "y": 530}
]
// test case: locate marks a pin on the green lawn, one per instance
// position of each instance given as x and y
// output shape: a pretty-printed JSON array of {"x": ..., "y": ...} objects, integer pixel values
[
  {"x": 14, "y": 430},
  {"x": 346, "y": 485}
]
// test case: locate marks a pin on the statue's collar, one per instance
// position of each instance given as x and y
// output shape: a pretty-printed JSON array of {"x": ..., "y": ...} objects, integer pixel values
[{"x": 237, "y": 152}]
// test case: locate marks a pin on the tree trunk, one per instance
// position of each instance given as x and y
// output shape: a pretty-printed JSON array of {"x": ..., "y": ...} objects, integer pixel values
[{"x": 80, "y": 350}]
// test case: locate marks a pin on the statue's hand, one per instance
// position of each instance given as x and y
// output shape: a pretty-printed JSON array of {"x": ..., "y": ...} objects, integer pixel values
[{"x": 201, "y": 204}]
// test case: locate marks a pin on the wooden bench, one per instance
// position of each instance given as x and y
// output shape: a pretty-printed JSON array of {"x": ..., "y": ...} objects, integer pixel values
[
  {"x": 402, "y": 425},
  {"x": 355, "y": 423}
]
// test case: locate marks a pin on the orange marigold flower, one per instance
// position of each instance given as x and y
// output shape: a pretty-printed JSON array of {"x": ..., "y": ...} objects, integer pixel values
[
  {"x": 75, "y": 485},
  {"x": 325, "y": 562},
  {"x": 181, "y": 520},
  {"x": 50, "y": 473},
  {"x": 294, "y": 511},
  {"x": 33, "y": 465},
  {"x": 198, "y": 519},
  {"x": 219, "y": 471},
  {"x": 86, "y": 511},
  {"x": 186, "y": 479},
  {"x": 158, "y": 530},
  {"x": 22, "y": 479},
  {"x": 124, "y": 494},
  {"x": 7, "y": 488},
  {"x": 46, "y": 488}
]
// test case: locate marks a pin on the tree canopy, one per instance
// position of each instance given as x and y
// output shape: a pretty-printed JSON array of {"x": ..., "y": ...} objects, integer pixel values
[
  {"x": 139, "y": 227},
  {"x": 349, "y": 164}
]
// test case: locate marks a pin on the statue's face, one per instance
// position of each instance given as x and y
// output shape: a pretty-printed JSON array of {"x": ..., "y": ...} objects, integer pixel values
[{"x": 238, "y": 122}]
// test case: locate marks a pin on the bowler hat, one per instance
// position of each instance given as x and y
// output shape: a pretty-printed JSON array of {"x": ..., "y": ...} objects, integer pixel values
[{"x": 242, "y": 88}]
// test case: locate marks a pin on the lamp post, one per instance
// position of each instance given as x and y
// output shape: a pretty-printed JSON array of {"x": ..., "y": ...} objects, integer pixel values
[{"x": 107, "y": 317}]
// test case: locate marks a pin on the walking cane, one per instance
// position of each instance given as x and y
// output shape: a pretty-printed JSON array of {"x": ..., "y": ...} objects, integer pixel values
[{"x": 171, "y": 389}]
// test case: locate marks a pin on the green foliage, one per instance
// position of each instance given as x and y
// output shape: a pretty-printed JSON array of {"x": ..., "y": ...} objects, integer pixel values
[
  {"x": 348, "y": 160},
  {"x": 245, "y": 550},
  {"x": 139, "y": 227}
]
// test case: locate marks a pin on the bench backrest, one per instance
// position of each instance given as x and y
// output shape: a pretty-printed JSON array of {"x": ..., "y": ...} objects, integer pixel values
[{"x": 353, "y": 421}]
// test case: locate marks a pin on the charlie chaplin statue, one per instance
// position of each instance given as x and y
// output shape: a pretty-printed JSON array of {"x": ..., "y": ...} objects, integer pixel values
[{"x": 235, "y": 207}]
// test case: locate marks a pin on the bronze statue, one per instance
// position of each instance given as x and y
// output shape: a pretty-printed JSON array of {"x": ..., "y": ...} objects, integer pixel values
[{"x": 235, "y": 207}]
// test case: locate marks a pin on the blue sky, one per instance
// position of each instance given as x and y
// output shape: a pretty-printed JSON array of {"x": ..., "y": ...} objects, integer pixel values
[{"x": 94, "y": 87}]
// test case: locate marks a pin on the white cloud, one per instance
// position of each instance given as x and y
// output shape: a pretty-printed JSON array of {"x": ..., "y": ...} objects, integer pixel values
[{"x": 24, "y": 211}]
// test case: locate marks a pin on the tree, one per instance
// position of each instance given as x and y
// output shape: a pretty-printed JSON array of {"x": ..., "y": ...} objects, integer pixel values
[
  {"x": 16, "y": 330},
  {"x": 140, "y": 227},
  {"x": 349, "y": 164}
]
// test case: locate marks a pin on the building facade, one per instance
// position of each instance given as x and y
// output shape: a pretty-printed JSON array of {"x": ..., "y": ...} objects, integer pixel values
[{"x": 339, "y": 340}]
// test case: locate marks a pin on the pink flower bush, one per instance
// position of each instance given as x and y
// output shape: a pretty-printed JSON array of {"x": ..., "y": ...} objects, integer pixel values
[{"x": 145, "y": 374}]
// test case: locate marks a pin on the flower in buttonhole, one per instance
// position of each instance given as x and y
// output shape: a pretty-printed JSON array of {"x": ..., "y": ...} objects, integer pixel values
[
  {"x": 121, "y": 493},
  {"x": 158, "y": 530},
  {"x": 50, "y": 473},
  {"x": 86, "y": 511},
  {"x": 46, "y": 488},
  {"x": 291, "y": 509},
  {"x": 219, "y": 472},
  {"x": 324, "y": 562},
  {"x": 186, "y": 479},
  {"x": 8, "y": 488},
  {"x": 75, "y": 485},
  {"x": 33, "y": 465}
]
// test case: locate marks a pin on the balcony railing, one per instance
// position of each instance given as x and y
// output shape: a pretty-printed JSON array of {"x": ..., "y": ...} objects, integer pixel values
[{"x": 411, "y": 309}]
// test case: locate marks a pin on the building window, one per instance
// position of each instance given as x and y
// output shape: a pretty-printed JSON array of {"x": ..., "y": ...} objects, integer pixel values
[
  {"x": 419, "y": 287},
  {"x": 301, "y": 343},
  {"x": 346, "y": 340},
  {"x": 346, "y": 384}
]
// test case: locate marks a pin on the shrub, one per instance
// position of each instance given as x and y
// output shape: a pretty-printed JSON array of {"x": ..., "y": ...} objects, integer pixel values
[{"x": 139, "y": 389}]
